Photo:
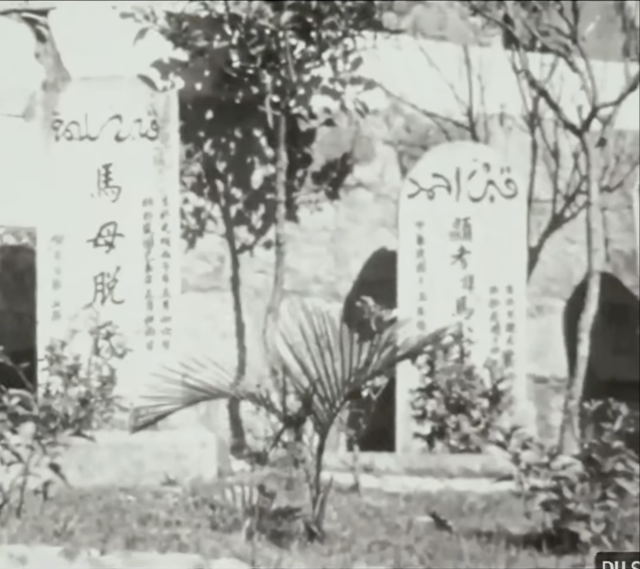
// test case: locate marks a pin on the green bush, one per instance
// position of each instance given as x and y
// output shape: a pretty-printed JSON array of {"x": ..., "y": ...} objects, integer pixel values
[
  {"x": 75, "y": 396},
  {"x": 585, "y": 501},
  {"x": 78, "y": 390},
  {"x": 457, "y": 410}
]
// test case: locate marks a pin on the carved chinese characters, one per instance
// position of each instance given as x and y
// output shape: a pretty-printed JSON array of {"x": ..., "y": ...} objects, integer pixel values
[
  {"x": 160, "y": 285},
  {"x": 421, "y": 269},
  {"x": 113, "y": 145},
  {"x": 106, "y": 238},
  {"x": 471, "y": 209},
  {"x": 57, "y": 242},
  {"x": 166, "y": 272},
  {"x": 502, "y": 318},
  {"x": 461, "y": 237},
  {"x": 149, "y": 296},
  {"x": 94, "y": 264}
]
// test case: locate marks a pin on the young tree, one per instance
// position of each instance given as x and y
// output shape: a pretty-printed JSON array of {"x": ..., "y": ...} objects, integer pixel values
[
  {"x": 585, "y": 126},
  {"x": 270, "y": 60}
]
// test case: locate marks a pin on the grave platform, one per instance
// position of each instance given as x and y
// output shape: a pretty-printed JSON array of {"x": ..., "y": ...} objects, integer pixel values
[{"x": 151, "y": 458}]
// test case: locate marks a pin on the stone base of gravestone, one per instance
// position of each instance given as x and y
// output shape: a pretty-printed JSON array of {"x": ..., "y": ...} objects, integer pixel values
[{"x": 151, "y": 458}]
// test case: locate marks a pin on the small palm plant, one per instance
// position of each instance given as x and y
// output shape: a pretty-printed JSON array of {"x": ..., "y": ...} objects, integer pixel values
[{"x": 319, "y": 366}]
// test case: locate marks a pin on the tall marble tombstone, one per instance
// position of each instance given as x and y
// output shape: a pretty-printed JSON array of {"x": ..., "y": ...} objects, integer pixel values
[
  {"x": 109, "y": 250},
  {"x": 462, "y": 257}
]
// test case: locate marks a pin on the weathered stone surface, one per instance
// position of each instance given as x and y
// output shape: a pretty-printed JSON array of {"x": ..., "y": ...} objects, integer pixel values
[
  {"x": 463, "y": 252},
  {"x": 38, "y": 556},
  {"x": 149, "y": 458},
  {"x": 229, "y": 563}
]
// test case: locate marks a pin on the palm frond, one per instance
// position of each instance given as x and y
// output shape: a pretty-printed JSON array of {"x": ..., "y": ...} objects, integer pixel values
[
  {"x": 323, "y": 361},
  {"x": 187, "y": 382},
  {"x": 326, "y": 361}
]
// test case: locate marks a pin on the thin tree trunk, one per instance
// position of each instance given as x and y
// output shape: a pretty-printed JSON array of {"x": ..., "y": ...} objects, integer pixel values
[
  {"x": 238, "y": 438},
  {"x": 277, "y": 292},
  {"x": 636, "y": 214},
  {"x": 570, "y": 433}
]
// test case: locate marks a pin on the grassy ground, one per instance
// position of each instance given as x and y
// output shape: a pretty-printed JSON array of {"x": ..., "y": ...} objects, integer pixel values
[{"x": 374, "y": 529}]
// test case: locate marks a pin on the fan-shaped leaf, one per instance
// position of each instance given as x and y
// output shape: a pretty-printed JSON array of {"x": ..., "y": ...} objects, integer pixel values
[
  {"x": 327, "y": 362},
  {"x": 188, "y": 382},
  {"x": 324, "y": 363}
]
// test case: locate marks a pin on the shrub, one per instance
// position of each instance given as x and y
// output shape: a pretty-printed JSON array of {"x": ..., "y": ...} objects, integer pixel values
[
  {"x": 458, "y": 411},
  {"x": 78, "y": 389},
  {"x": 74, "y": 397},
  {"x": 585, "y": 501}
]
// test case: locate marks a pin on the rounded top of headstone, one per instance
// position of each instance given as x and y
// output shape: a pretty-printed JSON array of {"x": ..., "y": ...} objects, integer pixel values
[{"x": 463, "y": 171}]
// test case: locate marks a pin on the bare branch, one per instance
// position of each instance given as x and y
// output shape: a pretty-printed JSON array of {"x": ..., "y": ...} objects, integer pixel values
[
  {"x": 470, "y": 110},
  {"x": 435, "y": 117},
  {"x": 471, "y": 126},
  {"x": 631, "y": 87}
]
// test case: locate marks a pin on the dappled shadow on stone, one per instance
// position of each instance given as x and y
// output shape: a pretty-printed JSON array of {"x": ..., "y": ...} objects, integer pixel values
[{"x": 376, "y": 280}]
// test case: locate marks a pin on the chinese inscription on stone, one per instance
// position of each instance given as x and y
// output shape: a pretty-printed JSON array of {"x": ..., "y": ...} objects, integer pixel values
[
  {"x": 469, "y": 211},
  {"x": 159, "y": 255},
  {"x": 114, "y": 248}
]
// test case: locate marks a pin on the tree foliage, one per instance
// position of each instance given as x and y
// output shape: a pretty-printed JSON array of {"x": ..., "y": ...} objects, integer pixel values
[
  {"x": 248, "y": 147},
  {"x": 269, "y": 60}
]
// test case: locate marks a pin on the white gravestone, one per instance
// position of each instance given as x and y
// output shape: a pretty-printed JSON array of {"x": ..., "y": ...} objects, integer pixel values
[
  {"x": 110, "y": 247},
  {"x": 462, "y": 258}
]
